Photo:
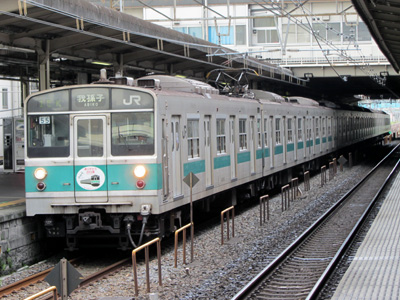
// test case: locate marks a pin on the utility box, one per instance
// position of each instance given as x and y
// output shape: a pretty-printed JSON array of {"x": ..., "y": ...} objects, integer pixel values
[{"x": 13, "y": 145}]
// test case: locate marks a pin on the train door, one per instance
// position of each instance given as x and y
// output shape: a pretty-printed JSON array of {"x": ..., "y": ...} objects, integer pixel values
[
  {"x": 252, "y": 146},
  {"x": 272, "y": 141},
  {"x": 232, "y": 148},
  {"x": 90, "y": 158},
  {"x": 176, "y": 160},
  {"x": 309, "y": 142},
  {"x": 295, "y": 137},
  {"x": 207, "y": 151},
  {"x": 285, "y": 140},
  {"x": 164, "y": 145}
]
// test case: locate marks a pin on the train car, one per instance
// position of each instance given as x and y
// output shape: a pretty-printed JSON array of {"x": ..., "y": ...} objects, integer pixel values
[{"x": 107, "y": 160}]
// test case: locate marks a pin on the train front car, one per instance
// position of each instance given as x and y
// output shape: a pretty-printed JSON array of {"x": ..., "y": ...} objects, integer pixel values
[{"x": 91, "y": 163}]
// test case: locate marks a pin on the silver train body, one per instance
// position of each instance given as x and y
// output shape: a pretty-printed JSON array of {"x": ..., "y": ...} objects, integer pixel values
[{"x": 109, "y": 160}]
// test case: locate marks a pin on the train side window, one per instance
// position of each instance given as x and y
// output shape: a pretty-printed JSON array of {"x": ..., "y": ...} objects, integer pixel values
[
  {"x": 242, "y": 134},
  {"x": 278, "y": 131},
  {"x": 221, "y": 136},
  {"x": 266, "y": 132},
  {"x": 329, "y": 126},
  {"x": 259, "y": 133},
  {"x": 193, "y": 138},
  {"x": 299, "y": 130},
  {"x": 290, "y": 131}
]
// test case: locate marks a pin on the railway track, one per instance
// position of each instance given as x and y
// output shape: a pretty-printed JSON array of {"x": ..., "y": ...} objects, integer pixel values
[
  {"x": 303, "y": 268},
  {"x": 35, "y": 278}
]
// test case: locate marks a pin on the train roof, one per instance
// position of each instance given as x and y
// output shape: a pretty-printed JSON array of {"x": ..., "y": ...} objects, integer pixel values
[
  {"x": 165, "y": 82},
  {"x": 265, "y": 95},
  {"x": 302, "y": 101}
]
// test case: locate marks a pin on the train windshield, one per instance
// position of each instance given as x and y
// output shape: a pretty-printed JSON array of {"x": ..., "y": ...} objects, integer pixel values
[
  {"x": 48, "y": 136},
  {"x": 51, "y": 114},
  {"x": 132, "y": 133}
]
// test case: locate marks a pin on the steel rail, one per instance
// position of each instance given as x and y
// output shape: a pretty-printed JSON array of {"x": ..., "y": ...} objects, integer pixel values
[
  {"x": 318, "y": 287},
  {"x": 258, "y": 279},
  {"x": 8, "y": 289}
]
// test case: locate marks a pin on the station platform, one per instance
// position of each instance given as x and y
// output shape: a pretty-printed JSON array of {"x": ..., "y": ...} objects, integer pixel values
[
  {"x": 12, "y": 196},
  {"x": 374, "y": 272}
]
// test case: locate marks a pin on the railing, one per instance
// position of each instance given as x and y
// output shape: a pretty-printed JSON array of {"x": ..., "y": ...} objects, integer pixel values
[
  {"x": 323, "y": 175},
  {"x": 263, "y": 200},
  {"x": 334, "y": 166},
  {"x": 307, "y": 181},
  {"x": 44, "y": 292},
  {"x": 226, "y": 211},
  {"x": 285, "y": 197},
  {"x": 350, "y": 160},
  {"x": 146, "y": 247},
  {"x": 184, "y": 244},
  {"x": 294, "y": 185},
  {"x": 331, "y": 171},
  {"x": 341, "y": 164}
]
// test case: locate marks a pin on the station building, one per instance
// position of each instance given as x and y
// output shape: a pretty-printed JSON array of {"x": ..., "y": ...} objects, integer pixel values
[{"x": 287, "y": 33}]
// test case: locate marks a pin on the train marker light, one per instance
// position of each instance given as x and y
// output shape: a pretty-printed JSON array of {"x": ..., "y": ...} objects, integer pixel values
[
  {"x": 139, "y": 171},
  {"x": 41, "y": 186},
  {"x": 40, "y": 173},
  {"x": 140, "y": 184}
]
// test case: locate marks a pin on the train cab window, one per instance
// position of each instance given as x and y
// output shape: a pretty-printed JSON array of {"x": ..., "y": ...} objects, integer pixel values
[
  {"x": 132, "y": 133},
  {"x": 48, "y": 136},
  {"x": 278, "y": 131},
  {"x": 193, "y": 138},
  {"x": 90, "y": 138},
  {"x": 242, "y": 134},
  {"x": 221, "y": 136}
]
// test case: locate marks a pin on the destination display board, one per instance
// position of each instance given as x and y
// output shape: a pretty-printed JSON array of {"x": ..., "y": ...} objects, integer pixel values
[
  {"x": 51, "y": 101},
  {"x": 89, "y": 99}
]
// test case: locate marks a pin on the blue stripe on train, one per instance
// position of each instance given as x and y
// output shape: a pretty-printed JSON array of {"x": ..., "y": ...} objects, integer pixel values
[{"x": 62, "y": 178}]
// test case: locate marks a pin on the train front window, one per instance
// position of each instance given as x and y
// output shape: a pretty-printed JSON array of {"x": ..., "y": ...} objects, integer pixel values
[
  {"x": 48, "y": 136},
  {"x": 90, "y": 138},
  {"x": 132, "y": 133}
]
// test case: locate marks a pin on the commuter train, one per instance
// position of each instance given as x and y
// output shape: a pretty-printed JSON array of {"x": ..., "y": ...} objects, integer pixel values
[{"x": 108, "y": 160}]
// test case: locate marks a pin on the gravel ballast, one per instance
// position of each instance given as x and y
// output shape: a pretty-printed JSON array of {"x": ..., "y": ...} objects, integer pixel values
[{"x": 217, "y": 272}]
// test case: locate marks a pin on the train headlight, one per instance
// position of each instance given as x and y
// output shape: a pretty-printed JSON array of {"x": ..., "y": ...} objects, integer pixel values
[
  {"x": 139, "y": 171},
  {"x": 40, "y": 173}
]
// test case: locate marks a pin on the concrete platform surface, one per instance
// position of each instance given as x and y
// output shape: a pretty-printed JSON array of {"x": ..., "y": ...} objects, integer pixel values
[{"x": 375, "y": 271}]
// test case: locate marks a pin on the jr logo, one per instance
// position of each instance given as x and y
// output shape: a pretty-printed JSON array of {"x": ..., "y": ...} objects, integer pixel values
[{"x": 132, "y": 99}]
